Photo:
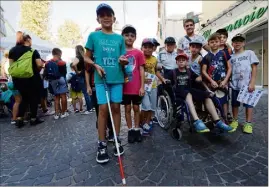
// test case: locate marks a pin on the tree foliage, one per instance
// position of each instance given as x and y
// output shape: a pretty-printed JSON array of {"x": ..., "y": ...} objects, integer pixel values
[
  {"x": 69, "y": 34},
  {"x": 35, "y": 17}
]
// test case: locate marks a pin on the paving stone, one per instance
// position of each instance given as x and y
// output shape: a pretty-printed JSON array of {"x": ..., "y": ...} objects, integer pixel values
[
  {"x": 262, "y": 160},
  {"x": 63, "y": 182},
  {"x": 81, "y": 176},
  {"x": 14, "y": 178},
  {"x": 156, "y": 176},
  {"x": 92, "y": 181},
  {"x": 211, "y": 171},
  {"x": 43, "y": 180},
  {"x": 107, "y": 182},
  {"x": 221, "y": 168},
  {"x": 249, "y": 170},
  {"x": 261, "y": 179},
  {"x": 28, "y": 182},
  {"x": 229, "y": 178},
  {"x": 64, "y": 174},
  {"x": 239, "y": 174},
  {"x": 18, "y": 171},
  {"x": 147, "y": 183},
  {"x": 214, "y": 179},
  {"x": 3, "y": 179}
]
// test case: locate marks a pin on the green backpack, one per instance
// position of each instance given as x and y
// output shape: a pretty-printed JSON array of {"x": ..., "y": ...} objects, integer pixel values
[{"x": 22, "y": 68}]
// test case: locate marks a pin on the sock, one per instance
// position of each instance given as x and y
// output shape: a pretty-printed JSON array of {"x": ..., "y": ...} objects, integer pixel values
[
  {"x": 248, "y": 121},
  {"x": 137, "y": 129},
  {"x": 216, "y": 121},
  {"x": 130, "y": 129}
]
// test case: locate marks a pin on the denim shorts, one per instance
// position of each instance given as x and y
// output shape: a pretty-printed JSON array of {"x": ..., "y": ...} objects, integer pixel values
[
  {"x": 236, "y": 103},
  {"x": 149, "y": 102},
  {"x": 114, "y": 93}
]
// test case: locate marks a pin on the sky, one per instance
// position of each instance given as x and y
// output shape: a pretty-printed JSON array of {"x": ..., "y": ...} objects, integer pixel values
[{"x": 141, "y": 14}]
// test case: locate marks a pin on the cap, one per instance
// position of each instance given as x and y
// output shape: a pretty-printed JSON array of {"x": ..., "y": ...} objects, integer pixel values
[
  {"x": 128, "y": 29},
  {"x": 170, "y": 40},
  {"x": 182, "y": 55},
  {"x": 239, "y": 36},
  {"x": 103, "y": 6},
  {"x": 155, "y": 42},
  {"x": 196, "y": 41},
  {"x": 147, "y": 41}
]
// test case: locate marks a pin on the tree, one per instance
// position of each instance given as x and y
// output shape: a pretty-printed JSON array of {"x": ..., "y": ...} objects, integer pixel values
[
  {"x": 35, "y": 17},
  {"x": 69, "y": 34}
]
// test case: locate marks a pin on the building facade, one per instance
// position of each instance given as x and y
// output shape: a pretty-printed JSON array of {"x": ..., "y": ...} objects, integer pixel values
[
  {"x": 249, "y": 18},
  {"x": 2, "y": 23},
  {"x": 212, "y": 8}
]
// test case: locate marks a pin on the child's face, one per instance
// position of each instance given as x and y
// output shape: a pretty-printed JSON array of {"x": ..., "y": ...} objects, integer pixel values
[
  {"x": 154, "y": 48},
  {"x": 214, "y": 44},
  {"x": 181, "y": 62},
  {"x": 147, "y": 49},
  {"x": 195, "y": 49},
  {"x": 223, "y": 39},
  {"x": 170, "y": 47},
  {"x": 129, "y": 38},
  {"x": 106, "y": 19},
  {"x": 237, "y": 45}
]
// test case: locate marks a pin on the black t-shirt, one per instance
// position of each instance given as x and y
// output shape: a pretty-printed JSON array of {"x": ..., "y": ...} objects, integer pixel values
[
  {"x": 182, "y": 81},
  {"x": 16, "y": 52}
]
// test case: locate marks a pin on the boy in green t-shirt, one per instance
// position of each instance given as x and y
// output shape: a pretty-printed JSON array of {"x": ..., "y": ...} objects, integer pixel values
[{"x": 108, "y": 49}]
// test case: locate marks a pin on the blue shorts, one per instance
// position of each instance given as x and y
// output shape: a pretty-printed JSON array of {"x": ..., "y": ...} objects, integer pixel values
[
  {"x": 236, "y": 103},
  {"x": 114, "y": 92}
]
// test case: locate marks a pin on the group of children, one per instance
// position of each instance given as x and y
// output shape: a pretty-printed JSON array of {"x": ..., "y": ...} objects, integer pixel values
[{"x": 125, "y": 71}]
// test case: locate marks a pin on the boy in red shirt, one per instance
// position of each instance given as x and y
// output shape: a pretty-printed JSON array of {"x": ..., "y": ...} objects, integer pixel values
[{"x": 133, "y": 88}]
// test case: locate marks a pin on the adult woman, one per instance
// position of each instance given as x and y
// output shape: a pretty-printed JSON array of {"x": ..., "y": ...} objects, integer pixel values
[
  {"x": 79, "y": 67},
  {"x": 29, "y": 88}
]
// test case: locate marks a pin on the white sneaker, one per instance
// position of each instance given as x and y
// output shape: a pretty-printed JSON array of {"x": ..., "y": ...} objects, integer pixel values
[
  {"x": 48, "y": 113},
  {"x": 86, "y": 112},
  {"x": 64, "y": 115},
  {"x": 13, "y": 122},
  {"x": 56, "y": 116}
]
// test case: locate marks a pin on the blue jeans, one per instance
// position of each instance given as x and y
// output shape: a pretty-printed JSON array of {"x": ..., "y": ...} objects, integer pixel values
[{"x": 86, "y": 96}]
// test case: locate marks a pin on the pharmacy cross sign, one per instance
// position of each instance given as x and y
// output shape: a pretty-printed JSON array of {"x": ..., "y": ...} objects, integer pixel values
[{"x": 242, "y": 21}]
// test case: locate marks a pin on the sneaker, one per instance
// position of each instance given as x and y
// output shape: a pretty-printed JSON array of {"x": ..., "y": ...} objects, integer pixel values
[
  {"x": 224, "y": 127},
  {"x": 86, "y": 112},
  {"x": 56, "y": 116},
  {"x": 147, "y": 127},
  {"x": 137, "y": 135},
  {"x": 64, "y": 115},
  {"x": 92, "y": 110},
  {"x": 110, "y": 138},
  {"x": 48, "y": 113},
  {"x": 102, "y": 156},
  {"x": 13, "y": 122},
  {"x": 234, "y": 124},
  {"x": 200, "y": 126},
  {"x": 36, "y": 121},
  {"x": 76, "y": 111},
  {"x": 120, "y": 149},
  {"x": 19, "y": 123},
  {"x": 131, "y": 136},
  {"x": 247, "y": 128}
]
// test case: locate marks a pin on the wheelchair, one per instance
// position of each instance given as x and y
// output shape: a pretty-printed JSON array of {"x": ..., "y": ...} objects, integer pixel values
[{"x": 172, "y": 112}]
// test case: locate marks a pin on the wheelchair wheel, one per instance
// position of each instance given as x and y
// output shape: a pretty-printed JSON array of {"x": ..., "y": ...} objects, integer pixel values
[
  {"x": 176, "y": 133},
  {"x": 163, "y": 112}
]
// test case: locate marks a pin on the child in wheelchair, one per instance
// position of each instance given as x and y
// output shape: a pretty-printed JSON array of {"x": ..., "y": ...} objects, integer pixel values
[{"x": 182, "y": 81}]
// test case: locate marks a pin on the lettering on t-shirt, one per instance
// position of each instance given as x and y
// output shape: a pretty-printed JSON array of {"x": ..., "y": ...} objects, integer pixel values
[{"x": 109, "y": 62}]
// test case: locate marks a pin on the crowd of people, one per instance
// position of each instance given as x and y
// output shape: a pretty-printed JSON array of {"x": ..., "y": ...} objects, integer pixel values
[{"x": 109, "y": 62}]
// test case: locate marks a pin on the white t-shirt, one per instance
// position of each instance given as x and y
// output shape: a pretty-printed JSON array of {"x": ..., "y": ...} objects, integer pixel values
[
  {"x": 183, "y": 43},
  {"x": 241, "y": 68}
]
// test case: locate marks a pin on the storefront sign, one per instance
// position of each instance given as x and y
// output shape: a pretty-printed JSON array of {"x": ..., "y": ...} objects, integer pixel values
[{"x": 242, "y": 21}]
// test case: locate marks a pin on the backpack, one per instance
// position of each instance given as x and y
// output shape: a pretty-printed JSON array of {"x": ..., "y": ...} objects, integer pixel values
[
  {"x": 52, "y": 71},
  {"x": 76, "y": 82},
  {"x": 22, "y": 68}
]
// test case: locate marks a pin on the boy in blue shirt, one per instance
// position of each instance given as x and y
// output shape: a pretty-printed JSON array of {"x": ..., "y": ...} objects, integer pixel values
[
  {"x": 108, "y": 49},
  {"x": 216, "y": 70}
]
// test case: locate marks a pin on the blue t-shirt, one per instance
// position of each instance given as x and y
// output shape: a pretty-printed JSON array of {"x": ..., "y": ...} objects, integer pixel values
[
  {"x": 216, "y": 65},
  {"x": 107, "y": 49}
]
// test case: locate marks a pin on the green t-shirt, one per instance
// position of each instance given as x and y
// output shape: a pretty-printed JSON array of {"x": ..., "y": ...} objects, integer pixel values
[{"x": 107, "y": 48}]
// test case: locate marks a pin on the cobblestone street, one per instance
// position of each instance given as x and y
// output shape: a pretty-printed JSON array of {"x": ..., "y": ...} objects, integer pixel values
[{"x": 63, "y": 153}]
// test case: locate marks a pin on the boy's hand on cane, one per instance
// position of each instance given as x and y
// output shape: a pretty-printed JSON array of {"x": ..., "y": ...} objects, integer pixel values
[
  {"x": 99, "y": 70},
  {"x": 123, "y": 60}
]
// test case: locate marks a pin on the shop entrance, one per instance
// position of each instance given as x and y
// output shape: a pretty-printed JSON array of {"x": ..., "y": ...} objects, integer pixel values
[{"x": 257, "y": 41}]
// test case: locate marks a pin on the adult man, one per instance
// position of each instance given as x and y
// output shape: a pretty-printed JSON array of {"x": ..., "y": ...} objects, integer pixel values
[{"x": 183, "y": 43}]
